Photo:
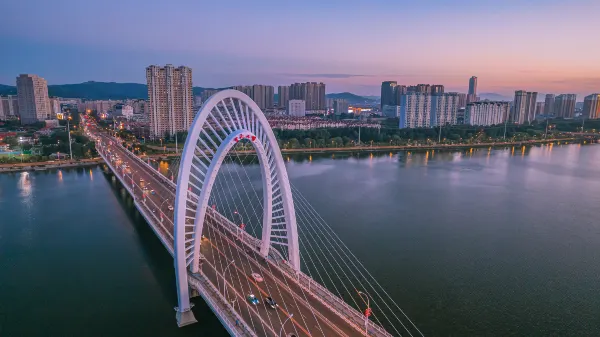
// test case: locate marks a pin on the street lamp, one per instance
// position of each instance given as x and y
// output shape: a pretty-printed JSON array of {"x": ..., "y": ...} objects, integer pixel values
[
  {"x": 225, "y": 284},
  {"x": 161, "y": 211},
  {"x": 368, "y": 310},
  {"x": 242, "y": 225},
  {"x": 69, "y": 131},
  {"x": 282, "y": 325}
]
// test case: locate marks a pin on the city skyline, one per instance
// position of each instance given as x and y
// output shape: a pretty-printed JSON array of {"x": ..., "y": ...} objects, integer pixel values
[{"x": 506, "y": 52}]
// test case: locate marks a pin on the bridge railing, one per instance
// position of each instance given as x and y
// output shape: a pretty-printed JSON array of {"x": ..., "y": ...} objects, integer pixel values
[{"x": 350, "y": 314}]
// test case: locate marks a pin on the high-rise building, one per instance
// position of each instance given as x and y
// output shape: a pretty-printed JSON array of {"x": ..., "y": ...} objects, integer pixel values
[
  {"x": 444, "y": 108},
  {"x": 391, "y": 111},
  {"x": 9, "y": 105},
  {"x": 399, "y": 90},
  {"x": 55, "y": 107},
  {"x": 539, "y": 108},
  {"x": 462, "y": 100},
  {"x": 591, "y": 106},
  {"x": 170, "y": 99},
  {"x": 564, "y": 105},
  {"x": 473, "y": 86},
  {"x": 531, "y": 106},
  {"x": 388, "y": 96},
  {"x": 549, "y": 105},
  {"x": 340, "y": 106},
  {"x": 283, "y": 96},
  {"x": 415, "y": 109},
  {"x": 312, "y": 93},
  {"x": 437, "y": 89},
  {"x": 296, "y": 107},
  {"x": 519, "y": 113},
  {"x": 486, "y": 113},
  {"x": 34, "y": 104},
  {"x": 421, "y": 88}
]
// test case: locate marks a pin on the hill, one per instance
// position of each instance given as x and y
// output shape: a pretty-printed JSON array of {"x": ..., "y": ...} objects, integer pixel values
[
  {"x": 494, "y": 97},
  {"x": 7, "y": 90},
  {"x": 95, "y": 90},
  {"x": 351, "y": 98},
  {"x": 92, "y": 90}
]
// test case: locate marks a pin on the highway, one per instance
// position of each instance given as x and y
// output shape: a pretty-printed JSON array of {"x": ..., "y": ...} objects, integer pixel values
[{"x": 299, "y": 311}]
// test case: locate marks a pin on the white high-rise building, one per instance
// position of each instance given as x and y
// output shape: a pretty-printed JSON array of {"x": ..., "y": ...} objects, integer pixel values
[
  {"x": 415, "y": 110},
  {"x": 55, "y": 106},
  {"x": 34, "y": 104},
  {"x": 519, "y": 113},
  {"x": 170, "y": 99},
  {"x": 486, "y": 113},
  {"x": 9, "y": 107},
  {"x": 444, "y": 108},
  {"x": 296, "y": 107},
  {"x": 283, "y": 96}
]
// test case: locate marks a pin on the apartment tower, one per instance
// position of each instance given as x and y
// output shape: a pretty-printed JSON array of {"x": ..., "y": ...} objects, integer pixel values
[
  {"x": 170, "y": 99},
  {"x": 32, "y": 94}
]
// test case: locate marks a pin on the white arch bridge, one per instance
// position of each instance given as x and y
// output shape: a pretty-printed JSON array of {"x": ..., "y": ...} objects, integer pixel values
[{"x": 267, "y": 265}]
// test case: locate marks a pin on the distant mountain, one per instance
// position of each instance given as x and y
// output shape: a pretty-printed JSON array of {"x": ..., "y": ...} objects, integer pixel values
[
  {"x": 111, "y": 90},
  {"x": 7, "y": 90},
  {"x": 494, "y": 97},
  {"x": 351, "y": 98},
  {"x": 95, "y": 90}
]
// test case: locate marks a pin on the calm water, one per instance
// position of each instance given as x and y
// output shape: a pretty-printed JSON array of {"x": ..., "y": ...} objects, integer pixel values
[{"x": 482, "y": 243}]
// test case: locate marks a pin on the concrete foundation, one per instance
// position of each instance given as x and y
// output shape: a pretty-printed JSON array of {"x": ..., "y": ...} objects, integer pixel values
[{"x": 185, "y": 318}]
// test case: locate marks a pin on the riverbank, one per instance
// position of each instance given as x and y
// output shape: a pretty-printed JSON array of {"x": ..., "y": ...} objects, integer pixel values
[
  {"x": 41, "y": 166},
  {"x": 48, "y": 165},
  {"x": 368, "y": 148}
]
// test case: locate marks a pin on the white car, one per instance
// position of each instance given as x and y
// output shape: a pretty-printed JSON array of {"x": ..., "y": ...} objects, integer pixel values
[
  {"x": 257, "y": 277},
  {"x": 170, "y": 208}
]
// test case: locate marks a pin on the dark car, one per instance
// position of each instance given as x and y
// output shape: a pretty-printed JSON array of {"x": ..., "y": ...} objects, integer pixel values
[{"x": 270, "y": 302}]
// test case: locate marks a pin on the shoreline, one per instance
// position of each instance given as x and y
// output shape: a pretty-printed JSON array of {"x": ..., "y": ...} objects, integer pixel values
[
  {"x": 42, "y": 166},
  {"x": 396, "y": 147},
  {"x": 46, "y": 165}
]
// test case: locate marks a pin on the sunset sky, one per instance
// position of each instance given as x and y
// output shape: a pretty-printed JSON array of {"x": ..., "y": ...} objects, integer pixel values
[{"x": 351, "y": 45}]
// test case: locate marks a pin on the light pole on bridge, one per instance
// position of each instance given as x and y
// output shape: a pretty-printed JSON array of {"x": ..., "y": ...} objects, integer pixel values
[
  {"x": 161, "y": 211},
  {"x": 282, "y": 325},
  {"x": 224, "y": 282},
  {"x": 367, "y": 311},
  {"x": 242, "y": 226}
]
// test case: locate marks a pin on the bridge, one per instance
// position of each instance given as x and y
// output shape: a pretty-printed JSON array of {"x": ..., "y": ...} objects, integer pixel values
[{"x": 266, "y": 265}]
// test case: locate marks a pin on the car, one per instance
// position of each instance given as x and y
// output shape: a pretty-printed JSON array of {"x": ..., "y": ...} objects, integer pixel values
[
  {"x": 152, "y": 192},
  {"x": 257, "y": 277},
  {"x": 170, "y": 208},
  {"x": 141, "y": 180},
  {"x": 271, "y": 303},
  {"x": 252, "y": 299}
]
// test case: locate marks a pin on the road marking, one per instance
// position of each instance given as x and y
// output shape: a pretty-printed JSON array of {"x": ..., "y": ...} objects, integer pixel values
[{"x": 261, "y": 290}]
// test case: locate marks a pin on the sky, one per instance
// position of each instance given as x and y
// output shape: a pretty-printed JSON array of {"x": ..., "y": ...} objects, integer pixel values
[{"x": 547, "y": 46}]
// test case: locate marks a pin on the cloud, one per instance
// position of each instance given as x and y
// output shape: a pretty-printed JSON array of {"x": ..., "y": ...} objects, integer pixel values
[{"x": 327, "y": 75}]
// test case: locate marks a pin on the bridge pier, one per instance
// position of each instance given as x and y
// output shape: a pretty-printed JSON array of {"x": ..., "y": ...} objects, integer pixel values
[{"x": 185, "y": 317}]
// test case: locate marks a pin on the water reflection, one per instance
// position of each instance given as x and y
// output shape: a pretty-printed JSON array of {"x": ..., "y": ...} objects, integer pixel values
[{"x": 24, "y": 185}]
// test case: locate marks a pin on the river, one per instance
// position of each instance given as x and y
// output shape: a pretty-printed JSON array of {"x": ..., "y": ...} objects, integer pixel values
[{"x": 471, "y": 243}]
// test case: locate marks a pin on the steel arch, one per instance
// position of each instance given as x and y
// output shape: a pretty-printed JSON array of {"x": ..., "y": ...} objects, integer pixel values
[{"x": 224, "y": 119}]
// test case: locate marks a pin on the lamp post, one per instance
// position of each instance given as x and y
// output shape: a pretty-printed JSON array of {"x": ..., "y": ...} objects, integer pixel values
[
  {"x": 225, "y": 284},
  {"x": 161, "y": 211},
  {"x": 242, "y": 225},
  {"x": 282, "y": 325},
  {"x": 368, "y": 310},
  {"x": 69, "y": 131}
]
